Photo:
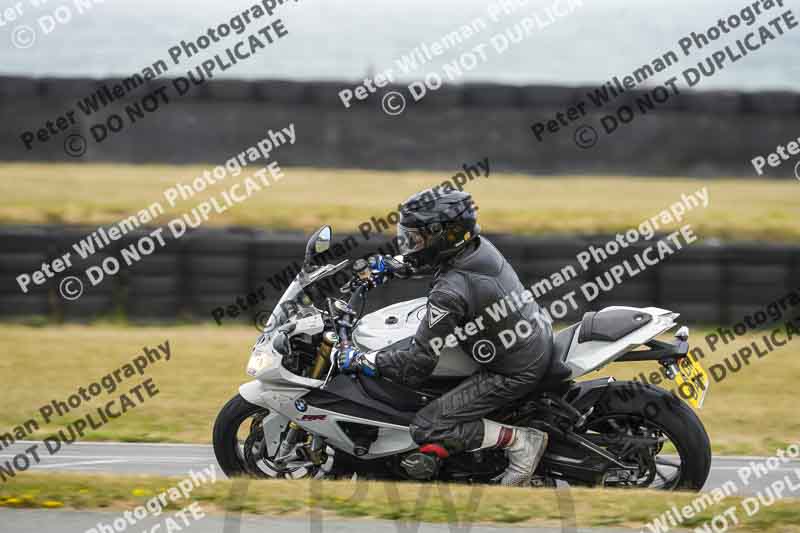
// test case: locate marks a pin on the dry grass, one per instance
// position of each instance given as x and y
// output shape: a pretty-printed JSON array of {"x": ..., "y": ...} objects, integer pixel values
[
  {"x": 751, "y": 412},
  {"x": 407, "y": 502},
  {"x": 306, "y": 198}
]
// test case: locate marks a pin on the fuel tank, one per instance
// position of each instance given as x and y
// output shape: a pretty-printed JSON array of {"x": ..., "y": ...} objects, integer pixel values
[{"x": 397, "y": 324}]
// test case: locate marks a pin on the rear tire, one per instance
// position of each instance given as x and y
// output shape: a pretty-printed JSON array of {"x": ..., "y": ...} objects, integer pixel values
[
  {"x": 226, "y": 432},
  {"x": 673, "y": 416}
]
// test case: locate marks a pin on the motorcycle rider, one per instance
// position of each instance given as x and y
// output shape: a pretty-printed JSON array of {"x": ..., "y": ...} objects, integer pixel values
[{"x": 438, "y": 233}]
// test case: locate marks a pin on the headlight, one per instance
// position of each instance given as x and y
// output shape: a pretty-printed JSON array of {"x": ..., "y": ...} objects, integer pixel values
[{"x": 263, "y": 357}]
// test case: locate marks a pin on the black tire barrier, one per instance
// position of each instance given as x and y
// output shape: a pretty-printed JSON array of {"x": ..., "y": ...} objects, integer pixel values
[
  {"x": 217, "y": 284},
  {"x": 88, "y": 306},
  {"x": 692, "y": 292},
  {"x": 154, "y": 285},
  {"x": 767, "y": 275},
  {"x": 193, "y": 276},
  {"x": 10, "y": 287},
  {"x": 679, "y": 273},
  {"x": 749, "y": 294},
  {"x": 631, "y": 290},
  {"x": 697, "y": 313},
  {"x": 166, "y": 307},
  {"x": 22, "y": 239},
  {"x": 16, "y": 263},
  {"x": 21, "y": 305},
  {"x": 157, "y": 264},
  {"x": 218, "y": 265}
]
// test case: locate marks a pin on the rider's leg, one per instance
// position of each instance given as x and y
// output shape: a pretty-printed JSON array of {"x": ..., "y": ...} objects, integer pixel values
[{"x": 454, "y": 422}]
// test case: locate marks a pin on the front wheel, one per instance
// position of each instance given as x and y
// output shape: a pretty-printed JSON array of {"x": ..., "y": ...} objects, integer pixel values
[
  {"x": 228, "y": 428},
  {"x": 647, "y": 426}
]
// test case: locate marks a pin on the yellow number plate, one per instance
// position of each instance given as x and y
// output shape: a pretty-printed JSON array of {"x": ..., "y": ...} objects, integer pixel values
[{"x": 692, "y": 381}]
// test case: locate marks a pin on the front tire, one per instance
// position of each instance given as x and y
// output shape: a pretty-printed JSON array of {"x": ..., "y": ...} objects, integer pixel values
[{"x": 226, "y": 435}]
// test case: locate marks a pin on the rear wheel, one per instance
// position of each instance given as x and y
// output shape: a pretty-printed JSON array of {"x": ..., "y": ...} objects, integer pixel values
[{"x": 648, "y": 427}]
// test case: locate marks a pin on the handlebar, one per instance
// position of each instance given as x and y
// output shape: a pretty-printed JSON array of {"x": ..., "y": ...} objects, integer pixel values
[
  {"x": 366, "y": 275},
  {"x": 345, "y": 322},
  {"x": 366, "y": 271}
]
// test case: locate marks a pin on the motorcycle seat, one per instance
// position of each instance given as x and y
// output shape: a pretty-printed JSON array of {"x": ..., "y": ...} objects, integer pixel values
[
  {"x": 610, "y": 326},
  {"x": 558, "y": 372},
  {"x": 562, "y": 341}
]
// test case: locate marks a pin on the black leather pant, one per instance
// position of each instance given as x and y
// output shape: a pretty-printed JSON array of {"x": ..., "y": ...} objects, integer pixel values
[{"x": 455, "y": 420}]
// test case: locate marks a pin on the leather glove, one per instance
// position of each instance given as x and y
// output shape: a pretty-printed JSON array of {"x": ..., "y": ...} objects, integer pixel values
[
  {"x": 386, "y": 267},
  {"x": 351, "y": 361},
  {"x": 380, "y": 269}
]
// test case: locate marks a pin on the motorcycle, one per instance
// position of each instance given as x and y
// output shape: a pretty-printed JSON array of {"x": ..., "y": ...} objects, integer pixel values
[{"x": 301, "y": 417}]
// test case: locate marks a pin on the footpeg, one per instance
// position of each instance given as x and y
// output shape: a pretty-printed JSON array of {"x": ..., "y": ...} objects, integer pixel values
[
  {"x": 422, "y": 466},
  {"x": 582, "y": 420}
]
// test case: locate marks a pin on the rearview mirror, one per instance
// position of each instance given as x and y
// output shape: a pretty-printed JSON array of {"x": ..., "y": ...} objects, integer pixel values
[{"x": 320, "y": 242}]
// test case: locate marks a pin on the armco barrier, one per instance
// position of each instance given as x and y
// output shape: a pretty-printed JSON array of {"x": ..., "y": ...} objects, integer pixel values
[
  {"x": 693, "y": 134},
  {"x": 206, "y": 269}
]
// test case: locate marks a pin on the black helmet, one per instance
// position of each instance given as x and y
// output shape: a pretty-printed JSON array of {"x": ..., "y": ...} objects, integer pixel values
[{"x": 434, "y": 225}]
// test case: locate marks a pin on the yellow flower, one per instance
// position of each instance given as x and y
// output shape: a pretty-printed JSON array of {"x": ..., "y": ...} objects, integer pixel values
[
  {"x": 13, "y": 501},
  {"x": 51, "y": 504},
  {"x": 83, "y": 491},
  {"x": 139, "y": 492}
]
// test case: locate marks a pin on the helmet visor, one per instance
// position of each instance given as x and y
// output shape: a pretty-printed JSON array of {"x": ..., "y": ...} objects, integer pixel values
[{"x": 409, "y": 240}]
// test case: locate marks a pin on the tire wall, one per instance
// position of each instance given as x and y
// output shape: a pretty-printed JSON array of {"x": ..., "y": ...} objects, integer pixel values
[{"x": 209, "y": 269}]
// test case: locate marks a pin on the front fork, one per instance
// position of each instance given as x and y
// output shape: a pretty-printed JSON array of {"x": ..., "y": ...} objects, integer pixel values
[
  {"x": 314, "y": 450},
  {"x": 296, "y": 433},
  {"x": 286, "y": 449}
]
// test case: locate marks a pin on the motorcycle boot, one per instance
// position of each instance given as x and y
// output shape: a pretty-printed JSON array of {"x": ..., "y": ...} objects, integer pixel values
[{"x": 524, "y": 448}]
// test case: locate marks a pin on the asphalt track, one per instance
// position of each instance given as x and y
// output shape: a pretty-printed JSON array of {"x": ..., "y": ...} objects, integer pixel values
[{"x": 178, "y": 459}]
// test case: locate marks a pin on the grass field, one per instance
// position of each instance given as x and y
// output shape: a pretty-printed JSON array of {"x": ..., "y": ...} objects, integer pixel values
[
  {"x": 406, "y": 502},
  {"x": 305, "y": 198},
  {"x": 751, "y": 412}
]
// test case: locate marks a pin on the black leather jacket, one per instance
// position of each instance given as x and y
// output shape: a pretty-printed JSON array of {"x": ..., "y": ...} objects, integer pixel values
[{"x": 475, "y": 287}]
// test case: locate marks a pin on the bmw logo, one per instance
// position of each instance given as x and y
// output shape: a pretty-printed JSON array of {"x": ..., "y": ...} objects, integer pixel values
[{"x": 300, "y": 405}]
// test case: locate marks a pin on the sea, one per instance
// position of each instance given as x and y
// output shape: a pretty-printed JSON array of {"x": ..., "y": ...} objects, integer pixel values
[{"x": 557, "y": 42}]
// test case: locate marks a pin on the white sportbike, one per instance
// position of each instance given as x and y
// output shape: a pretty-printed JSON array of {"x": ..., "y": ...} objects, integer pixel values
[{"x": 301, "y": 417}]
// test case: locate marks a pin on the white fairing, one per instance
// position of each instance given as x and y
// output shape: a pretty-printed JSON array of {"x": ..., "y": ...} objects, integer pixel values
[
  {"x": 280, "y": 391},
  {"x": 282, "y": 400},
  {"x": 588, "y": 356},
  {"x": 400, "y": 321}
]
